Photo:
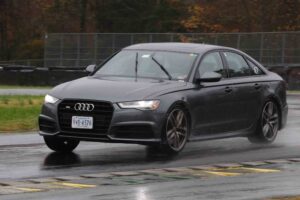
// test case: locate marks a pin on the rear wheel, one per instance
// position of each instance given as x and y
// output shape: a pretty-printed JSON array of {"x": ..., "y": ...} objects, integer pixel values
[
  {"x": 176, "y": 131},
  {"x": 62, "y": 145},
  {"x": 268, "y": 124}
]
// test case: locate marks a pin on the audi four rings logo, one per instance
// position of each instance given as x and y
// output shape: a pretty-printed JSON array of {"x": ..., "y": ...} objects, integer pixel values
[{"x": 84, "y": 107}]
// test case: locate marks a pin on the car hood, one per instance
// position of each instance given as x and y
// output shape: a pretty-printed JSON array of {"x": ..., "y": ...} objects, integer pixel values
[{"x": 115, "y": 89}]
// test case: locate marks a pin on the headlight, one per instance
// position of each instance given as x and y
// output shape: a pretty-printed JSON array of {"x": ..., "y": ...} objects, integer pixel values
[
  {"x": 142, "y": 105},
  {"x": 50, "y": 99}
]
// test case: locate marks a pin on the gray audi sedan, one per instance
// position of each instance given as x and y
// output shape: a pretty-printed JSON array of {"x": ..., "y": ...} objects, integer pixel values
[{"x": 164, "y": 95}]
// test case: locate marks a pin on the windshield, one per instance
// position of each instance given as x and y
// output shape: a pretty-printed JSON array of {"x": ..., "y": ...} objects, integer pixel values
[{"x": 149, "y": 64}]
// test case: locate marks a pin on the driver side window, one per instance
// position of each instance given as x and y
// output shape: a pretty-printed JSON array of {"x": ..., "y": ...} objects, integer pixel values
[{"x": 212, "y": 63}]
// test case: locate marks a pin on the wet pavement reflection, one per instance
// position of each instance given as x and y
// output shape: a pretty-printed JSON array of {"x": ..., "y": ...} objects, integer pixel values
[{"x": 61, "y": 159}]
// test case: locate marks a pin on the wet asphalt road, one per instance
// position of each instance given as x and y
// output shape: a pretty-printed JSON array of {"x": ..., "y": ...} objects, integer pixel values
[
  {"x": 250, "y": 186},
  {"x": 31, "y": 159}
]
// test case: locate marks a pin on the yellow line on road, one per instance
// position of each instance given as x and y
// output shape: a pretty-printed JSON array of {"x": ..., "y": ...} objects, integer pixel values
[
  {"x": 260, "y": 170},
  {"x": 75, "y": 185},
  {"x": 219, "y": 173},
  {"x": 29, "y": 189}
]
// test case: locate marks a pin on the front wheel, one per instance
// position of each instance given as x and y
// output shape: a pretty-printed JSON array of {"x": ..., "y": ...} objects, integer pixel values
[
  {"x": 268, "y": 124},
  {"x": 176, "y": 130},
  {"x": 62, "y": 145}
]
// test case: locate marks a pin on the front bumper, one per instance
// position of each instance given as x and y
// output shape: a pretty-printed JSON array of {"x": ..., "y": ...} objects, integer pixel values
[{"x": 126, "y": 126}]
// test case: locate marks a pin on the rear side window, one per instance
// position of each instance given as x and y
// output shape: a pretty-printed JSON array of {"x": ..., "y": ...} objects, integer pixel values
[
  {"x": 255, "y": 69},
  {"x": 212, "y": 62},
  {"x": 237, "y": 65}
]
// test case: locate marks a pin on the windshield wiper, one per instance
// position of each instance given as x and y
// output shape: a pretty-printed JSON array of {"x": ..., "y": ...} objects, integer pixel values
[{"x": 162, "y": 67}]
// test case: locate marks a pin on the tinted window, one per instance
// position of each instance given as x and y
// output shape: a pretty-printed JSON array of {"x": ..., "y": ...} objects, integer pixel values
[
  {"x": 255, "y": 69},
  {"x": 212, "y": 63},
  {"x": 237, "y": 65}
]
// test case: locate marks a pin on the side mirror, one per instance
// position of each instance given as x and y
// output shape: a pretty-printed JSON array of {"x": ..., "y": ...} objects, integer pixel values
[
  {"x": 209, "y": 77},
  {"x": 90, "y": 68}
]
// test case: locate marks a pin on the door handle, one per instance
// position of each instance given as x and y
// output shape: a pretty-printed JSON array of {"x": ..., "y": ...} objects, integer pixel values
[
  {"x": 228, "y": 89},
  {"x": 257, "y": 86}
]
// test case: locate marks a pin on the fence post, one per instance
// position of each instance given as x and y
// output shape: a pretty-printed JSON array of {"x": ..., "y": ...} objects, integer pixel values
[
  {"x": 131, "y": 38},
  {"x": 283, "y": 48},
  {"x": 238, "y": 41},
  {"x": 216, "y": 39},
  {"x": 150, "y": 37},
  {"x": 61, "y": 49},
  {"x": 171, "y": 37},
  {"x": 261, "y": 47},
  {"x": 113, "y": 42},
  {"x": 45, "y": 48},
  {"x": 95, "y": 47},
  {"x": 78, "y": 50}
]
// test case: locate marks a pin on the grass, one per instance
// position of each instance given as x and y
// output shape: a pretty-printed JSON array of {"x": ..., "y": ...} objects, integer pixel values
[
  {"x": 19, "y": 113},
  {"x": 293, "y": 91},
  {"x": 23, "y": 87}
]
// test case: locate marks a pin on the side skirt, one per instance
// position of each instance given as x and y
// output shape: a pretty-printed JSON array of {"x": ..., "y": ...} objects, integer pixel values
[{"x": 240, "y": 133}]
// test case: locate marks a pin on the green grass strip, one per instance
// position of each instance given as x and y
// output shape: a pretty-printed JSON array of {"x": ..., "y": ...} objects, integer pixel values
[{"x": 19, "y": 113}]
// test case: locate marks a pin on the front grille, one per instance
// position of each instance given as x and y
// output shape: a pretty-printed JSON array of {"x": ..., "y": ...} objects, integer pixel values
[{"x": 101, "y": 114}]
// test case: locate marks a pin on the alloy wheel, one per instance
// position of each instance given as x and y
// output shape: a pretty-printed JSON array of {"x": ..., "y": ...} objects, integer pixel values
[
  {"x": 177, "y": 129},
  {"x": 270, "y": 121}
]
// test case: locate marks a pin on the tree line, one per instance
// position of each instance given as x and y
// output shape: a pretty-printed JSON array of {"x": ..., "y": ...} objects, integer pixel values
[{"x": 23, "y": 23}]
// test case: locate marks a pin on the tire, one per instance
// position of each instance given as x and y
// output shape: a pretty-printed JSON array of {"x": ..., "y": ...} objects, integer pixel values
[
  {"x": 176, "y": 131},
  {"x": 267, "y": 125},
  {"x": 62, "y": 145}
]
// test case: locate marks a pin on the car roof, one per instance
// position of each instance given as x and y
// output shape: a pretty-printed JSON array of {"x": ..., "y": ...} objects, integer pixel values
[{"x": 176, "y": 47}]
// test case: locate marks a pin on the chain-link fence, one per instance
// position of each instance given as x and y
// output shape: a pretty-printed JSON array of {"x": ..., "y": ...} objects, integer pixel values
[{"x": 82, "y": 49}]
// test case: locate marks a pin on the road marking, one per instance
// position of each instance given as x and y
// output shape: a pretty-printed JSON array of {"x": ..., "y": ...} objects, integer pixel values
[
  {"x": 174, "y": 176},
  {"x": 140, "y": 176},
  {"x": 220, "y": 173},
  {"x": 255, "y": 163},
  {"x": 68, "y": 178},
  {"x": 75, "y": 185},
  {"x": 99, "y": 175},
  {"x": 203, "y": 167},
  {"x": 29, "y": 189},
  {"x": 279, "y": 161},
  {"x": 227, "y": 165},
  {"x": 285, "y": 198},
  {"x": 128, "y": 173},
  {"x": 153, "y": 171},
  {"x": 294, "y": 159},
  {"x": 42, "y": 180},
  {"x": 9, "y": 190},
  {"x": 260, "y": 170},
  {"x": 178, "y": 169}
]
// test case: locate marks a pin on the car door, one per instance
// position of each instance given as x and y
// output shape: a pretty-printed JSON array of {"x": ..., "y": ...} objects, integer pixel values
[
  {"x": 211, "y": 102},
  {"x": 247, "y": 97}
]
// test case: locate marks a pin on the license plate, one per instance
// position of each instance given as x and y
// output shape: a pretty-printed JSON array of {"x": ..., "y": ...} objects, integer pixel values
[{"x": 81, "y": 122}]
